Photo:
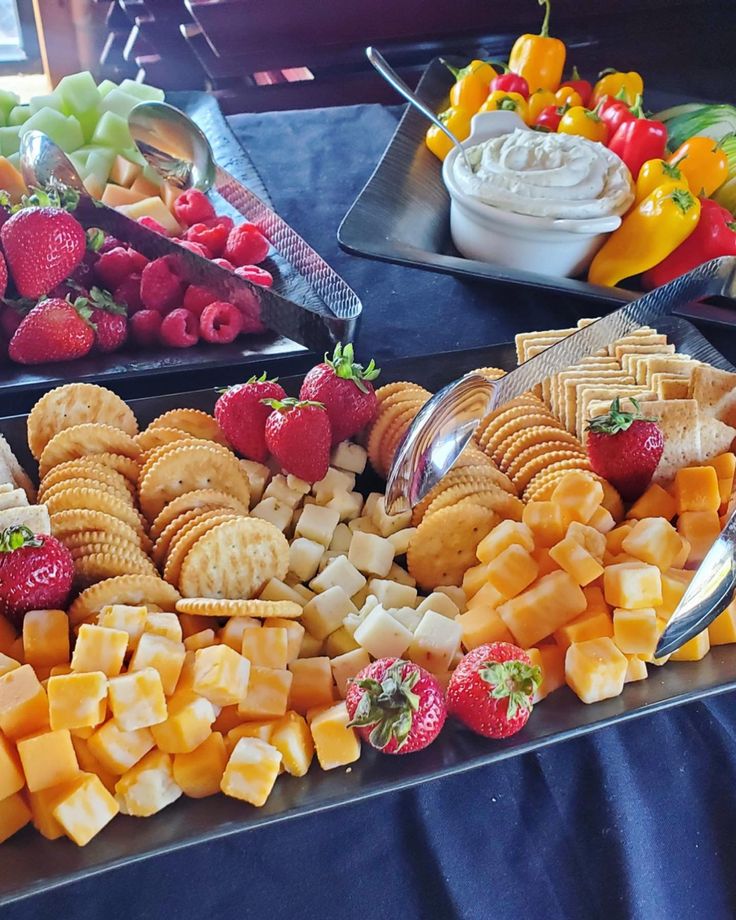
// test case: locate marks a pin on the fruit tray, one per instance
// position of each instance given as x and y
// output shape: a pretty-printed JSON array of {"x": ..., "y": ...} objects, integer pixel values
[{"x": 32, "y": 864}]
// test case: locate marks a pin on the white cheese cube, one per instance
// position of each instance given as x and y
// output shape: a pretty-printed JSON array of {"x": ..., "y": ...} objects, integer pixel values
[
  {"x": 311, "y": 647},
  {"x": 277, "y": 590},
  {"x": 341, "y": 539},
  {"x": 363, "y": 525},
  {"x": 436, "y": 641},
  {"x": 298, "y": 485},
  {"x": 339, "y": 572},
  {"x": 359, "y": 598},
  {"x": 304, "y": 593},
  {"x": 391, "y": 594},
  {"x": 270, "y": 510},
  {"x": 334, "y": 482},
  {"x": 318, "y": 524},
  {"x": 304, "y": 558},
  {"x": 327, "y": 556},
  {"x": 387, "y": 524},
  {"x": 279, "y": 490},
  {"x": 353, "y": 620},
  {"x": 347, "y": 504},
  {"x": 348, "y": 665},
  {"x": 371, "y": 553},
  {"x": 439, "y": 603},
  {"x": 401, "y": 538},
  {"x": 407, "y": 616},
  {"x": 371, "y": 502},
  {"x": 396, "y": 573},
  {"x": 349, "y": 456},
  {"x": 325, "y": 612},
  {"x": 258, "y": 475},
  {"x": 382, "y": 635},
  {"x": 456, "y": 595}
]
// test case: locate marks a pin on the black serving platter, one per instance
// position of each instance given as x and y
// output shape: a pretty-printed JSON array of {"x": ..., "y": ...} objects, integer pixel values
[{"x": 30, "y": 864}]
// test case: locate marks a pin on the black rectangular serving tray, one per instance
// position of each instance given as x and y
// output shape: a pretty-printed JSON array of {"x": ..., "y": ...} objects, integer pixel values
[{"x": 31, "y": 864}]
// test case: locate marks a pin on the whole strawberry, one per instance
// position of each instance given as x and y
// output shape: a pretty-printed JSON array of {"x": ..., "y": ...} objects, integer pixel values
[
  {"x": 345, "y": 389},
  {"x": 625, "y": 448},
  {"x": 298, "y": 434},
  {"x": 36, "y": 573},
  {"x": 42, "y": 247},
  {"x": 54, "y": 330},
  {"x": 3, "y": 276},
  {"x": 491, "y": 689},
  {"x": 241, "y": 415},
  {"x": 396, "y": 706}
]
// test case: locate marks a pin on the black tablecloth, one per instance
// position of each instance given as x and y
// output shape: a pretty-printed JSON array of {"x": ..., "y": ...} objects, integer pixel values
[{"x": 634, "y": 822}]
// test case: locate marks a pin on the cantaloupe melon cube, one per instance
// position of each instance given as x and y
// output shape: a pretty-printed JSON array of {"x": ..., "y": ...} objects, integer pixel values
[
  {"x": 487, "y": 597},
  {"x": 202, "y": 639},
  {"x": 99, "y": 649},
  {"x": 131, "y": 620},
  {"x": 268, "y": 693},
  {"x": 348, "y": 665},
  {"x": 480, "y": 625},
  {"x": 694, "y": 649},
  {"x": 696, "y": 489},
  {"x": 335, "y": 742},
  {"x": 46, "y": 637},
  {"x": 725, "y": 467},
  {"x": 161, "y": 654},
  {"x": 291, "y": 737},
  {"x": 595, "y": 599},
  {"x": 632, "y": 585},
  {"x": 11, "y": 774},
  {"x": 340, "y": 642},
  {"x": 674, "y": 585},
  {"x": 474, "y": 579},
  {"x": 701, "y": 530},
  {"x": 602, "y": 520},
  {"x": 14, "y": 815},
  {"x": 578, "y": 495},
  {"x": 548, "y": 604},
  {"x": 116, "y": 195},
  {"x": 267, "y": 648},
  {"x": 77, "y": 700},
  {"x": 148, "y": 787},
  {"x": 88, "y": 763},
  {"x": 84, "y": 808},
  {"x": 251, "y": 771},
  {"x": 575, "y": 559},
  {"x": 221, "y": 674},
  {"x": 591, "y": 624},
  {"x": 7, "y": 664},
  {"x": 24, "y": 706},
  {"x": 636, "y": 632},
  {"x": 117, "y": 750},
  {"x": 232, "y": 632},
  {"x": 137, "y": 699},
  {"x": 295, "y": 633},
  {"x": 654, "y": 541},
  {"x": 312, "y": 683},
  {"x": 595, "y": 669},
  {"x": 48, "y": 759},
  {"x": 145, "y": 186},
  {"x": 155, "y": 208},
  {"x": 546, "y": 521},
  {"x": 545, "y": 563},
  {"x": 511, "y": 571},
  {"x": 501, "y": 537},
  {"x": 655, "y": 502},
  {"x": 635, "y": 670},
  {"x": 199, "y": 772},
  {"x": 188, "y": 724},
  {"x": 169, "y": 193},
  {"x": 722, "y": 631},
  {"x": 260, "y": 730},
  {"x": 12, "y": 181},
  {"x": 42, "y": 804},
  {"x": 94, "y": 186},
  {"x": 550, "y": 659}
]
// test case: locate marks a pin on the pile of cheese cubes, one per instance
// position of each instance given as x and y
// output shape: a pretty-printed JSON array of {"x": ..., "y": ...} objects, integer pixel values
[{"x": 589, "y": 598}]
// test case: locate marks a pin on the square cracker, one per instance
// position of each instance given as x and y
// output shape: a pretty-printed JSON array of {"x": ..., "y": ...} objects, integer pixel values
[
  {"x": 34, "y": 517},
  {"x": 671, "y": 386},
  {"x": 646, "y": 365},
  {"x": 679, "y": 421},
  {"x": 715, "y": 437},
  {"x": 589, "y": 394},
  {"x": 568, "y": 389},
  {"x": 715, "y": 391},
  {"x": 547, "y": 337},
  {"x": 632, "y": 351}
]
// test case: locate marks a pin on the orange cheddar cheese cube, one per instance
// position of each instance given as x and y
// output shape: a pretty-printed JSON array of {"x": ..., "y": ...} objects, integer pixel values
[
  {"x": 636, "y": 632},
  {"x": 221, "y": 674},
  {"x": 480, "y": 625},
  {"x": 635, "y": 670},
  {"x": 696, "y": 489},
  {"x": 88, "y": 763},
  {"x": 148, "y": 787},
  {"x": 232, "y": 632},
  {"x": 595, "y": 599},
  {"x": 228, "y": 718},
  {"x": 548, "y": 604},
  {"x": 545, "y": 563},
  {"x": 591, "y": 624},
  {"x": 199, "y": 772},
  {"x": 48, "y": 759},
  {"x": 163, "y": 655},
  {"x": 84, "y": 808},
  {"x": 117, "y": 750},
  {"x": 722, "y": 631},
  {"x": 511, "y": 571},
  {"x": 260, "y": 730},
  {"x": 505, "y": 534},
  {"x": 137, "y": 699},
  {"x": 487, "y": 597},
  {"x": 700, "y": 529},
  {"x": 654, "y": 541},
  {"x": 578, "y": 496},
  {"x": 24, "y": 706},
  {"x": 251, "y": 771},
  {"x": 632, "y": 585},
  {"x": 616, "y": 537},
  {"x": 574, "y": 558},
  {"x": 46, "y": 638},
  {"x": 546, "y": 521},
  {"x": 595, "y": 669},
  {"x": 268, "y": 648},
  {"x": 312, "y": 683},
  {"x": 590, "y": 538},
  {"x": 694, "y": 649},
  {"x": 602, "y": 520},
  {"x": 295, "y": 634},
  {"x": 191, "y": 624},
  {"x": 186, "y": 677},
  {"x": 655, "y": 502},
  {"x": 203, "y": 639},
  {"x": 161, "y": 623},
  {"x": 291, "y": 736},
  {"x": 268, "y": 693},
  {"x": 131, "y": 620},
  {"x": 42, "y": 804},
  {"x": 474, "y": 579},
  {"x": 11, "y": 774},
  {"x": 16, "y": 650},
  {"x": 7, "y": 664},
  {"x": 550, "y": 659},
  {"x": 725, "y": 467},
  {"x": 188, "y": 723},
  {"x": 14, "y": 815},
  {"x": 8, "y": 635},
  {"x": 77, "y": 700},
  {"x": 100, "y": 649},
  {"x": 335, "y": 741},
  {"x": 674, "y": 585}
]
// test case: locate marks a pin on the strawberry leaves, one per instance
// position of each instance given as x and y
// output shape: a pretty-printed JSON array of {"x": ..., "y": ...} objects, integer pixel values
[
  {"x": 617, "y": 419},
  {"x": 512, "y": 680},
  {"x": 388, "y": 706},
  {"x": 17, "y": 537},
  {"x": 345, "y": 366}
]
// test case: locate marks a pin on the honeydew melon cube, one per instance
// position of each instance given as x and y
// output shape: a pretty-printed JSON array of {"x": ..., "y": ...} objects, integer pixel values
[
  {"x": 78, "y": 161},
  {"x": 99, "y": 164},
  {"x": 112, "y": 131},
  {"x": 133, "y": 154},
  {"x": 88, "y": 122},
  {"x": 105, "y": 87},
  {"x": 48, "y": 101},
  {"x": 64, "y": 131},
  {"x": 19, "y": 115},
  {"x": 14, "y": 161},
  {"x": 119, "y": 102},
  {"x": 78, "y": 92},
  {"x": 93, "y": 186},
  {"x": 142, "y": 91},
  {"x": 9, "y": 141},
  {"x": 8, "y": 101}
]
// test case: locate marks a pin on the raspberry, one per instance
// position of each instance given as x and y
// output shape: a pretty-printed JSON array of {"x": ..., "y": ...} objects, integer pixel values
[
  {"x": 220, "y": 322},
  {"x": 223, "y": 263},
  {"x": 213, "y": 235},
  {"x": 144, "y": 327},
  {"x": 197, "y": 248},
  {"x": 255, "y": 274},
  {"x": 197, "y": 298},
  {"x": 150, "y": 223},
  {"x": 161, "y": 287},
  {"x": 222, "y": 220},
  {"x": 192, "y": 207},
  {"x": 110, "y": 242},
  {"x": 129, "y": 293},
  {"x": 113, "y": 267},
  {"x": 250, "y": 313},
  {"x": 137, "y": 260},
  {"x": 179, "y": 329},
  {"x": 246, "y": 245},
  {"x": 83, "y": 274}
]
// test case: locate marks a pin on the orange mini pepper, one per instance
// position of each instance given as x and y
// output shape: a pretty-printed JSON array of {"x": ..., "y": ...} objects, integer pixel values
[
  {"x": 568, "y": 95},
  {"x": 540, "y": 59},
  {"x": 703, "y": 163},
  {"x": 539, "y": 101}
]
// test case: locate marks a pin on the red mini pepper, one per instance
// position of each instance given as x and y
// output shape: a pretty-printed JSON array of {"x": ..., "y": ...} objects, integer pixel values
[
  {"x": 714, "y": 236},
  {"x": 584, "y": 88},
  {"x": 637, "y": 141},
  {"x": 615, "y": 112},
  {"x": 549, "y": 118},
  {"x": 511, "y": 83}
]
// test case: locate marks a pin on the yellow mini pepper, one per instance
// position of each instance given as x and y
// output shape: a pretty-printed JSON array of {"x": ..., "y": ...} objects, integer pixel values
[
  {"x": 458, "y": 121},
  {"x": 703, "y": 163},
  {"x": 539, "y": 101},
  {"x": 580, "y": 121},
  {"x": 499, "y": 101},
  {"x": 540, "y": 59},
  {"x": 649, "y": 233},
  {"x": 472, "y": 84},
  {"x": 655, "y": 173},
  {"x": 620, "y": 85},
  {"x": 568, "y": 95}
]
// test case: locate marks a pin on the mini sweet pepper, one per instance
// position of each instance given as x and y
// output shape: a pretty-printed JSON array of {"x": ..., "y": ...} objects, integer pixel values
[
  {"x": 637, "y": 141},
  {"x": 458, "y": 121},
  {"x": 584, "y": 88},
  {"x": 655, "y": 173},
  {"x": 626, "y": 86},
  {"x": 703, "y": 163},
  {"x": 540, "y": 59},
  {"x": 579, "y": 120},
  {"x": 499, "y": 101}
]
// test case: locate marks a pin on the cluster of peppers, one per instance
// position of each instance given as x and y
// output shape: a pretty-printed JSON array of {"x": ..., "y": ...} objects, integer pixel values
[{"x": 673, "y": 225}]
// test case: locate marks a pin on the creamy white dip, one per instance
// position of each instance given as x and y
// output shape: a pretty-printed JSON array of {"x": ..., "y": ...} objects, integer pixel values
[{"x": 546, "y": 175}]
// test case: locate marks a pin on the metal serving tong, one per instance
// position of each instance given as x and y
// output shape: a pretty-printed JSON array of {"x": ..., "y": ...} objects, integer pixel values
[{"x": 448, "y": 420}]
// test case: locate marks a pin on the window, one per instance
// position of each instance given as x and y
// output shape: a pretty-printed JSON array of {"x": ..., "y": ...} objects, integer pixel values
[{"x": 18, "y": 39}]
